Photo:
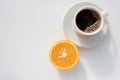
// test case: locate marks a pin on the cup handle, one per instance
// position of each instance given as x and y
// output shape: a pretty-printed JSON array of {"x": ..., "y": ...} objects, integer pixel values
[{"x": 104, "y": 13}]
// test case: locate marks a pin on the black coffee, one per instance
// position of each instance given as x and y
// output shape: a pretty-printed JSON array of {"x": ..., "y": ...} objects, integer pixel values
[{"x": 88, "y": 20}]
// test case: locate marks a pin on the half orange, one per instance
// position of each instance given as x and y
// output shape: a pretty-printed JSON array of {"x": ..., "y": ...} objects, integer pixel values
[{"x": 64, "y": 54}]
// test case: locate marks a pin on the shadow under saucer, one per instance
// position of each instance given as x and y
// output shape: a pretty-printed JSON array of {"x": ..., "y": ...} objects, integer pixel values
[{"x": 101, "y": 58}]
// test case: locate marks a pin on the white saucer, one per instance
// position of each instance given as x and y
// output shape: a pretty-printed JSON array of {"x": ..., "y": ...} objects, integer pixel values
[{"x": 77, "y": 39}]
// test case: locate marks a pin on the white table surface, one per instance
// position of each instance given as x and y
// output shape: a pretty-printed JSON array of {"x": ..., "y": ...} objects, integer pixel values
[{"x": 29, "y": 27}]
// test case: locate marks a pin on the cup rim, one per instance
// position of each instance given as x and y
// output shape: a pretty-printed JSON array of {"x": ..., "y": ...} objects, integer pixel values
[{"x": 82, "y": 32}]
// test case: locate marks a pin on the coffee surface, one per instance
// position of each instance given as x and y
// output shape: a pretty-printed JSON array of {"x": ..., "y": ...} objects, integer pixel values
[{"x": 88, "y": 20}]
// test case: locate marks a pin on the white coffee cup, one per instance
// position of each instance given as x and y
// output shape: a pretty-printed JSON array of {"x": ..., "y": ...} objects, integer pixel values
[{"x": 102, "y": 15}]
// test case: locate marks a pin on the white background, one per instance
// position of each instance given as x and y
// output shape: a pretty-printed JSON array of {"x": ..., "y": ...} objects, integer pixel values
[{"x": 29, "y": 27}]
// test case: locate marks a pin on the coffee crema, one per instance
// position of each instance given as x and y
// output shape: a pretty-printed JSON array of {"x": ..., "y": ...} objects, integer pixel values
[{"x": 88, "y": 20}]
